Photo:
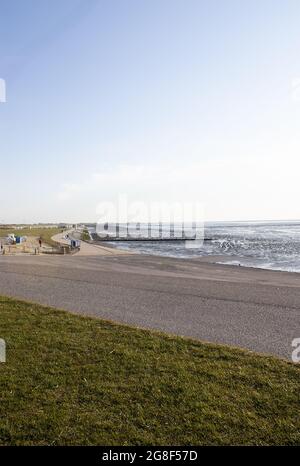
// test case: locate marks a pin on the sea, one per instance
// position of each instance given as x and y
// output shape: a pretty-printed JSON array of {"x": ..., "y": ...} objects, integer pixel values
[{"x": 266, "y": 245}]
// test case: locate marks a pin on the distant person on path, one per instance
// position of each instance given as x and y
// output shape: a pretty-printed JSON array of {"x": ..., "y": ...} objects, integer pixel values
[{"x": 40, "y": 242}]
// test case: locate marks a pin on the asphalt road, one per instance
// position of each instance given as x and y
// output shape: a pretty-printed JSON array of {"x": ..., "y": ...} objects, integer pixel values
[{"x": 254, "y": 309}]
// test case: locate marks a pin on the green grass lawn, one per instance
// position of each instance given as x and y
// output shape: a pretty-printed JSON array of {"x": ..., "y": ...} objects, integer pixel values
[
  {"x": 85, "y": 235},
  {"x": 71, "y": 380},
  {"x": 45, "y": 233}
]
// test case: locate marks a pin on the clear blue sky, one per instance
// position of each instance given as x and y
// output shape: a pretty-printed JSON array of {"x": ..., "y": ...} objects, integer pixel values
[{"x": 156, "y": 99}]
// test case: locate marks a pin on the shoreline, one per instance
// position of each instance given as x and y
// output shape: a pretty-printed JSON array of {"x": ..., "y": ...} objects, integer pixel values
[
  {"x": 218, "y": 259},
  {"x": 94, "y": 247}
]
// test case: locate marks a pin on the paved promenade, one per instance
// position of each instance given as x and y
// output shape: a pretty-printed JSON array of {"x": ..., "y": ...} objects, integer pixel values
[{"x": 254, "y": 309}]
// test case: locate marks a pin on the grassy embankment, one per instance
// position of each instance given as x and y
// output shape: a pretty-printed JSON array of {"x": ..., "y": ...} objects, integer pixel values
[
  {"x": 75, "y": 380},
  {"x": 44, "y": 233},
  {"x": 85, "y": 235}
]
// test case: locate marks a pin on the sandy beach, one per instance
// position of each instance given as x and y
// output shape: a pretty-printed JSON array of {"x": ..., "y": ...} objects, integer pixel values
[
  {"x": 249, "y": 308},
  {"x": 87, "y": 249}
]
